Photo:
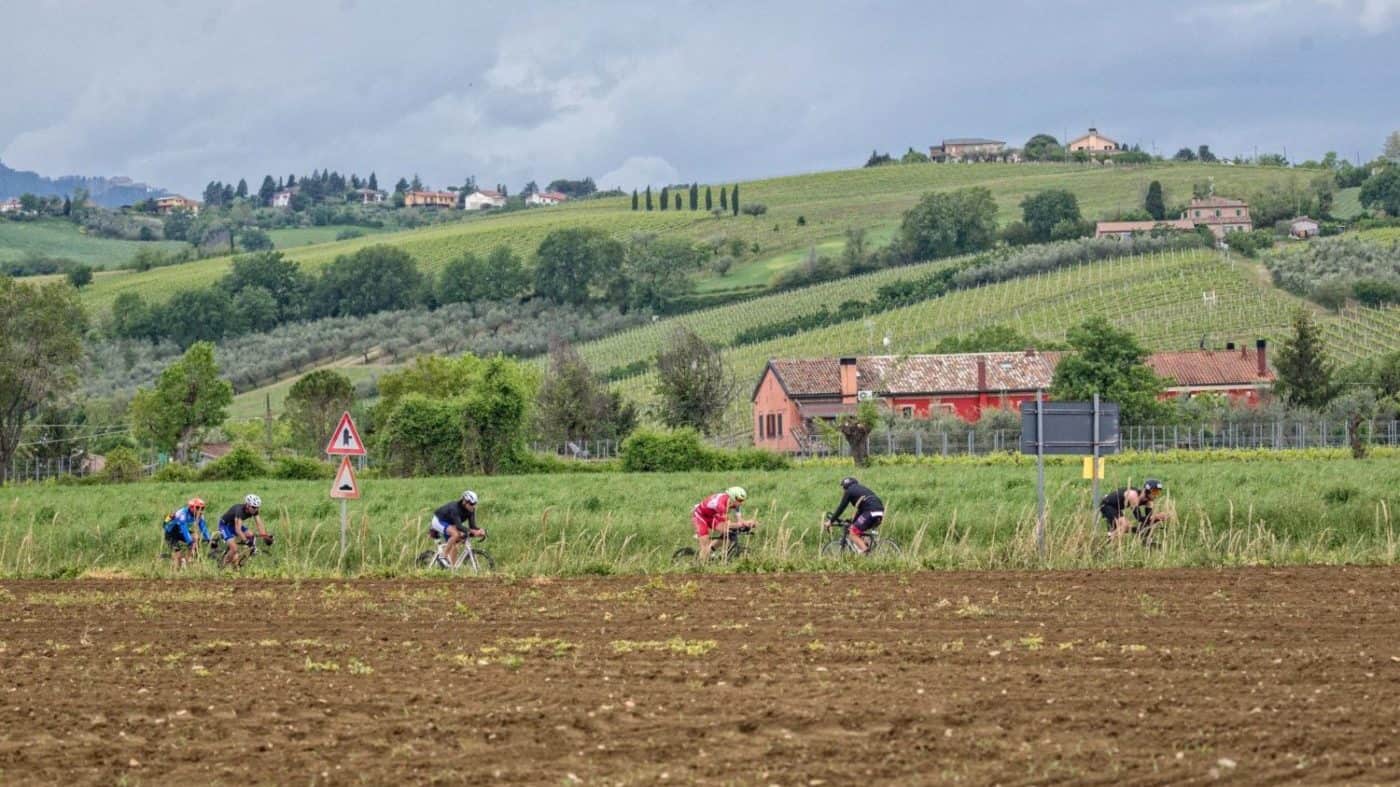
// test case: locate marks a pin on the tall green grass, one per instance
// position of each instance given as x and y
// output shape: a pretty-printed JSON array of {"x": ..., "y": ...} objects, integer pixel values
[{"x": 1302, "y": 509}]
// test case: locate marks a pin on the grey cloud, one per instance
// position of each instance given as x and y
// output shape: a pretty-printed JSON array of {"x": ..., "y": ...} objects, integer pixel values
[{"x": 182, "y": 93}]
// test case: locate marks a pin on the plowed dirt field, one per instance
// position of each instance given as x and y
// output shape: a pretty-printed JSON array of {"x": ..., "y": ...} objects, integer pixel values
[{"x": 1124, "y": 677}]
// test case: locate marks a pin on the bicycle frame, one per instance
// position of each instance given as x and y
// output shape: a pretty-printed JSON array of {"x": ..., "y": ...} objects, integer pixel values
[{"x": 465, "y": 554}]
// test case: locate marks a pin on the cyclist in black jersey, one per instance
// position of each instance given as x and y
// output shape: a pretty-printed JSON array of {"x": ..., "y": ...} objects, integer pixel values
[
  {"x": 234, "y": 531},
  {"x": 456, "y": 521},
  {"x": 870, "y": 512},
  {"x": 1116, "y": 506}
]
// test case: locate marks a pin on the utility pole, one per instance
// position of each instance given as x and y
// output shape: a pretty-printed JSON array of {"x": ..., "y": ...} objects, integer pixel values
[{"x": 267, "y": 425}]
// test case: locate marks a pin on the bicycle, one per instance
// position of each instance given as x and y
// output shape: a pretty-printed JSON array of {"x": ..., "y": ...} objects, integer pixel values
[
  {"x": 875, "y": 545},
  {"x": 730, "y": 546},
  {"x": 477, "y": 561},
  {"x": 218, "y": 551}
]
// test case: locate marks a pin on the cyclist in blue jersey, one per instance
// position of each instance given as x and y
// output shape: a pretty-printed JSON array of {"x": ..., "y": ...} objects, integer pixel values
[{"x": 178, "y": 536}]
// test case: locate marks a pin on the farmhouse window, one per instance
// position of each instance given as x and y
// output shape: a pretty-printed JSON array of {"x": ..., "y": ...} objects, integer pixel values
[
  {"x": 758, "y": 428},
  {"x": 907, "y": 411},
  {"x": 780, "y": 424}
]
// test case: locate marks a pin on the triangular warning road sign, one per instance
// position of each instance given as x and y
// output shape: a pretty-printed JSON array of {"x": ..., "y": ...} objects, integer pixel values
[
  {"x": 345, "y": 486},
  {"x": 345, "y": 440}
]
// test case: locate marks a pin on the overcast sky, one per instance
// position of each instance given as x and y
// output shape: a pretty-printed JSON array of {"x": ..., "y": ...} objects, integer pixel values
[{"x": 180, "y": 92}]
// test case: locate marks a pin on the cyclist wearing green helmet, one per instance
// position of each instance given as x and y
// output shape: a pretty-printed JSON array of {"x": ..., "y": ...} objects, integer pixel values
[{"x": 712, "y": 515}]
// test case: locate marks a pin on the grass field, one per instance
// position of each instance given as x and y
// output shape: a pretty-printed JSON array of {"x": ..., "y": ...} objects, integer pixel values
[
  {"x": 1347, "y": 204},
  {"x": 1277, "y": 508},
  {"x": 829, "y": 202},
  {"x": 62, "y": 239},
  {"x": 307, "y": 236},
  {"x": 253, "y": 404}
]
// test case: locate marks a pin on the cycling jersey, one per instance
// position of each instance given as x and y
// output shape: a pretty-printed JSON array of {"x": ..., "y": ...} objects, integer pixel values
[
  {"x": 1115, "y": 503},
  {"x": 710, "y": 512},
  {"x": 454, "y": 514},
  {"x": 238, "y": 513},
  {"x": 177, "y": 526},
  {"x": 864, "y": 500}
]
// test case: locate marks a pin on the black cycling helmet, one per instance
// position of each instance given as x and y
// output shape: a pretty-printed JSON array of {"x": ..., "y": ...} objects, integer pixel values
[
  {"x": 848, "y": 482},
  {"x": 1151, "y": 485}
]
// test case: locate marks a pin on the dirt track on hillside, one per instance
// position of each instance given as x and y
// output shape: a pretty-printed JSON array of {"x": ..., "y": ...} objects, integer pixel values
[{"x": 1248, "y": 675}]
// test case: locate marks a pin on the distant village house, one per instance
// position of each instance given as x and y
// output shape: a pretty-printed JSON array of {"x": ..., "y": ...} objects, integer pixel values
[
  {"x": 430, "y": 199},
  {"x": 481, "y": 199},
  {"x": 1220, "y": 214},
  {"x": 283, "y": 198},
  {"x": 10, "y": 205},
  {"x": 175, "y": 202},
  {"x": 969, "y": 149},
  {"x": 546, "y": 198},
  {"x": 370, "y": 196},
  {"x": 1303, "y": 228},
  {"x": 1094, "y": 142}
]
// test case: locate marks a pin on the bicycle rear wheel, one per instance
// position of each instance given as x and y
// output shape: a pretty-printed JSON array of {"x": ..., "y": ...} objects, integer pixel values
[
  {"x": 684, "y": 554},
  {"x": 837, "y": 548},
  {"x": 426, "y": 559}
]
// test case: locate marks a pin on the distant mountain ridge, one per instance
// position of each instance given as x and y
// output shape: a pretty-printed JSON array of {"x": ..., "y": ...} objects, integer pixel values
[{"x": 107, "y": 192}]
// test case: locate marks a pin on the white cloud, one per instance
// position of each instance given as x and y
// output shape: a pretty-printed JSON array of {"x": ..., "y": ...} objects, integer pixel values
[{"x": 638, "y": 172}]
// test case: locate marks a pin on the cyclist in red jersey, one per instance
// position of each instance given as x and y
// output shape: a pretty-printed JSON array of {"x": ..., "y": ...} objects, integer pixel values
[{"x": 712, "y": 515}]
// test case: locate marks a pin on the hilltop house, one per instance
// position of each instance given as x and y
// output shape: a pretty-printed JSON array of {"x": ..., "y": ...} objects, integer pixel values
[
  {"x": 1126, "y": 229},
  {"x": 546, "y": 198},
  {"x": 430, "y": 199},
  {"x": 175, "y": 202},
  {"x": 1094, "y": 142},
  {"x": 481, "y": 199},
  {"x": 283, "y": 198},
  {"x": 968, "y": 149},
  {"x": 370, "y": 196},
  {"x": 10, "y": 205},
  {"x": 792, "y": 394}
]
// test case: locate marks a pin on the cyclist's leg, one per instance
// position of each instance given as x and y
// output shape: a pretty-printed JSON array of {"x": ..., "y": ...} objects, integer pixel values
[
  {"x": 855, "y": 534},
  {"x": 455, "y": 537},
  {"x": 702, "y": 533},
  {"x": 230, "y": 538}
]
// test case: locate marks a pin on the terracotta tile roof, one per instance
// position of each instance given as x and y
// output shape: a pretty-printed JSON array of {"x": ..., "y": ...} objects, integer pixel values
[
  {"x": 1208, "y": 367},
  {"x": 972, "y": 141},
  {"x": 490, "y": 193},
  {"x": 1218, "y": 202},
  {"x": 903, "y": 375},
  {"x": 1142, "y": 226}
]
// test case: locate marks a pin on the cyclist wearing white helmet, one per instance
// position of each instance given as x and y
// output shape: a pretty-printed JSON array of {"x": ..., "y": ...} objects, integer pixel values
[
  {"x": 235, "y": 533},
  {"x": 456, "y": 521},
  {"x": 712, "y": 515}
]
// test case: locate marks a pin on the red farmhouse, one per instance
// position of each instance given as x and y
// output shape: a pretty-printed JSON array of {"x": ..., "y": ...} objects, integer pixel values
[{"x": 792, "y": 393}]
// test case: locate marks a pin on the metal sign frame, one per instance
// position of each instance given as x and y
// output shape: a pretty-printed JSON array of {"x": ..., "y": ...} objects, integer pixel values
[{"x": 1074, "y": 428}]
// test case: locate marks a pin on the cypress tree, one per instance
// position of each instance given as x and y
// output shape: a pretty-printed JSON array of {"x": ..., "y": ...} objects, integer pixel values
[
  {"x": 695, "y": 196},
  {"x": 373, "y": 181},
  {"x": 648, "y": 198},
  {"x": 1155, "y": 204},
  {"x": 1304, "y": 371},
  {"x": 678, "y": 200},
  {"x": 634, "y": 199},
  {"x": 734, "y": 200},
  {"x": 723, "y": 198},
  {"x": 709, "y": 200},
  {"x": 665, "y": 197}
]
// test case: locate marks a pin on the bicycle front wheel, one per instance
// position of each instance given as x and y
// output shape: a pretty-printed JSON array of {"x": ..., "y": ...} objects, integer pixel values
[
  {"x": 478, "y": 562},
  {"x": 885, "y": 547}
]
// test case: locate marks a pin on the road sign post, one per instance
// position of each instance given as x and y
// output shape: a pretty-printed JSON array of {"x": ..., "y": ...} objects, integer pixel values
[
  {"x": 1066, "y": 428},
  {"x": 345, "y": 442}
]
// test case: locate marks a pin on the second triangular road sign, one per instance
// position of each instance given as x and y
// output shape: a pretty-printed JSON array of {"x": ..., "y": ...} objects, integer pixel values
[{"x": 345, "y": 486}]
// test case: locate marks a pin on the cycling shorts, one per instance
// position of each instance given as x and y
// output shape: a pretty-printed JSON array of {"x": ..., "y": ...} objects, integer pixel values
[
  {"x": 866, "y": 522},
  {"x": 440, "y": 529},
  {"x": 177, "y": 536},
  {"x": 703, "y": 522}
]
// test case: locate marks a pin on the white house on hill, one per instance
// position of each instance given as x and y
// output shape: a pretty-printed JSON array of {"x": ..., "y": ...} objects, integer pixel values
[{"x": 481, "y": 199}]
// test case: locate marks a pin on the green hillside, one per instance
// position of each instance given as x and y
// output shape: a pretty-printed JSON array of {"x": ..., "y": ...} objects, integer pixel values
[
  {"x": 829, "y": 203},
  {"x": 1169, "y": 301},
  {"x": 63, "y": 239}
]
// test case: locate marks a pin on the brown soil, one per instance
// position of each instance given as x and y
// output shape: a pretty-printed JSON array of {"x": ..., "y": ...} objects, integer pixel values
[{"x": 1247, "y": 675}]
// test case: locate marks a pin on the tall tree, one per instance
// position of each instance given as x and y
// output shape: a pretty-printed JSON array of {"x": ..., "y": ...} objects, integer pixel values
[
  {"x": 678, "y": 200},
  {"x": 313, "y": 408},
  {"x": 574, "y": 405},
  {"x": 373, "y": 181},
  {"x": 268, "y": 188},
  {"x": 1043, "y": 210},
  {"x": 1185, "y": 154},
  {"x": 693, "y": 382},
  {"x": 1155, "y": 204},
  {"x": 187, "y": 401},
  {"x": 416, "y": 184},
  {"x": 723, "y": 198},
  {"x": 41, "y": 330},
  {"x": 569, "y": 262},
  {"x": 1203, "y": 153},
  {"x": 648, "y": 198},
  {"x": 695, "y": 196},
  {"x": 734, "y": 200},
  {"x": 665, "y": 197},
  {"x": 1304, "y": 371},
  {"x": 1392, "y": 146},
  {"x": 634, "y": 199},
  {"x": 943, "y": 224},
  {"x": 1042, "y": 147},
  {"x": 1382, "y": 190},
  {"x": 709, "y": 200},
  {"x": 242, "y": 190},
  {"x": 373, "y": 279},
  {"x": 1112, "y": 364}
]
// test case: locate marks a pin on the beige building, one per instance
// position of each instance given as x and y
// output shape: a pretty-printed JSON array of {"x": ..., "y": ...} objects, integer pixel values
[
  {"x": 1221, "y": 214},
  {"x": 176, "y": 202},
  {"x": 1127, "y": 229},
  {"x": 430, "y": 199},
  {"x": 1094, "y": 142},
  {"x": 968, "y": 149}
]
